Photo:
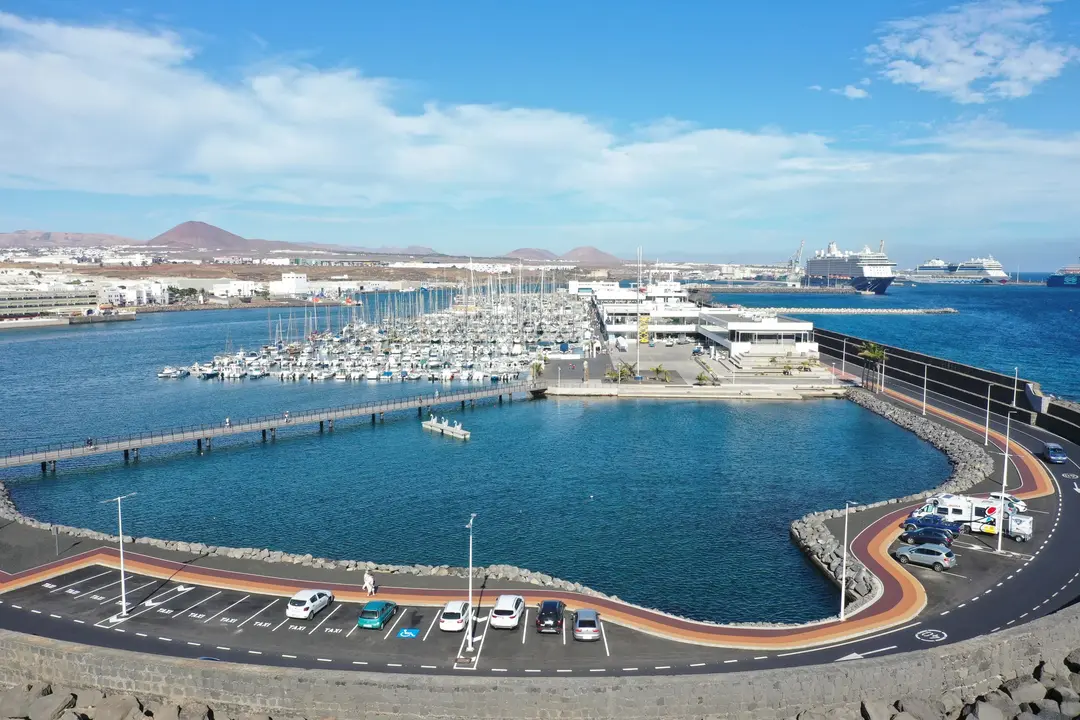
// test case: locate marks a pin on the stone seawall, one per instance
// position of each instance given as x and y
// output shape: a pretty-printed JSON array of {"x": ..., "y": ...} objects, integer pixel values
[
  {"x": 970, "y": 465},
  {"x": 938, "y": 680}
]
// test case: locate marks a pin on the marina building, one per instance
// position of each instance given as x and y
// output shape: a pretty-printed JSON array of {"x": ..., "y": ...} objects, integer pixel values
[
  {"x": 36, "y": 304},
  {"x": 746, "y": 333},
  {"x": 237, "y": 288}
]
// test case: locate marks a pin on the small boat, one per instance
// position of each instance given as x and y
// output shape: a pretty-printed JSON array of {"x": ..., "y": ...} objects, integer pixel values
[{"x": 173, "y": 373}]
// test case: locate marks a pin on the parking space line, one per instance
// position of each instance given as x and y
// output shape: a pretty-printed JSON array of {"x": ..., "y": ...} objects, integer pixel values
[
  {"x": 129, "y": 578},
  {"x": 184, "y": 611},
  {"x": 79, "y": 582},
  {"x": 604, "y": 636},
  {"x": 325, "y": 618},
  {"x": 129, "y": 592},
  {"x": 429, "y": 627},
  {"x": 564, "y": 633},
  {"x": 178, "y": 591},
  {"x": 282, "y": 623},
  {"x": 525, "y": 627},
  {"x": 228, "y": 608},
  {"x": 256, "y": 614},
  {"x": 400, "y": 614},
  {"x": 355, "y": 625}
]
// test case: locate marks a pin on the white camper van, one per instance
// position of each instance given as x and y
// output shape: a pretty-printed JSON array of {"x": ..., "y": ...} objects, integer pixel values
[{"x": 976, "y": 514}]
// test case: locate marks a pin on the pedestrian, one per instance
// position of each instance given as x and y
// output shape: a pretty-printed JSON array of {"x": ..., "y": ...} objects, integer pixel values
[
  {"x": 369, "y": 582},
  {"x": 286, "y": 416},
  {"x": 436, "y": 393},
  {"x": 227, "y": 423}
]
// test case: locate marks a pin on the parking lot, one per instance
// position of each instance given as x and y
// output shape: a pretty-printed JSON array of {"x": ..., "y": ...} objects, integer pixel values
[{"x": 220, "y": 624}]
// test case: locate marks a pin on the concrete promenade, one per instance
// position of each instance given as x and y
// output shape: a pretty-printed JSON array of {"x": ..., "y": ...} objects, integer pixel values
[{"x": 200, "y": 434}]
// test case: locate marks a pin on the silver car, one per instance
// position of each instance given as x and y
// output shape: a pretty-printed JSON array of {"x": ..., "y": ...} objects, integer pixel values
[
  {"x": 586, "y": 625},
  {"x": 933, "y": 556}
]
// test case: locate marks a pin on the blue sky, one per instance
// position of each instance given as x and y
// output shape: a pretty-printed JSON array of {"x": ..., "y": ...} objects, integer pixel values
[{"x": 708, "y": 130}]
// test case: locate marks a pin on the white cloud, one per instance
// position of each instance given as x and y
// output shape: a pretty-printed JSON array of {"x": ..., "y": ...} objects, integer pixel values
[
  {"x": 851, "y": 92},
  {"x": 973, "y": 53},
  {"x": 128, "y": 112},
  {"x": 815, "y": 88}
]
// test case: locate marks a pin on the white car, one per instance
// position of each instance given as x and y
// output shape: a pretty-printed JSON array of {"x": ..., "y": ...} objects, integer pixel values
[
  {"x": 306, "y": 603},
  {"x": 455, "y": 616},
  {"x": 1020, "y": 505},
  {"x": 507, "y": 612}
]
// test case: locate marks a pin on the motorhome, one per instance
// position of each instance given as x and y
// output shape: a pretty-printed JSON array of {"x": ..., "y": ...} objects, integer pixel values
[{"x": 977, "y": 514}]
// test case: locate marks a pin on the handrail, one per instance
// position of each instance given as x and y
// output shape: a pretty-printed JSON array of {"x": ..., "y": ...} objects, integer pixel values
[{"x": 182, "y": 432}]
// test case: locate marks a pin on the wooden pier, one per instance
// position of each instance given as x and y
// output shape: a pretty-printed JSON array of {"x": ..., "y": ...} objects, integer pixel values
[{"x": 203, "y": 435}]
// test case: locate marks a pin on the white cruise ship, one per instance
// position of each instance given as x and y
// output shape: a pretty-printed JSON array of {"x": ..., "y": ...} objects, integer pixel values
[
  {"x": 976, "y": 271},
  {"x": 866, "y": 271}
]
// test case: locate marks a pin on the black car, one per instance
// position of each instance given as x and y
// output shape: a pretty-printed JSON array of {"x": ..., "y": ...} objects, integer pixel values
[
  {"x": 549, "y": 617},
  {"x": 925, "y": 535}
]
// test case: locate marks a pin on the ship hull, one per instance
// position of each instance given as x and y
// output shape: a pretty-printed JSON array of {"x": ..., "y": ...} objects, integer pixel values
[
  {"x": 1072, "y": 281},
  {"x": 876, "y": 285}
]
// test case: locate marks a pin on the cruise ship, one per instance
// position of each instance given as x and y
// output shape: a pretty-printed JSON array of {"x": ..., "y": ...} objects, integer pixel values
[
  {"x": 866, "y": 271},
  {"x": 1068, "y": 276},
  {"x": 975, "y": 271}
]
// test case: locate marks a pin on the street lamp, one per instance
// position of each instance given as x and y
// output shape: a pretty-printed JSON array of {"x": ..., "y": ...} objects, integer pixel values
[
  {"x": 472, "y": 612},
  {"x": 843, "y": 572},
  {"x": 1004, "y": 475},
  {"x": 120, "y": 523},
  {"x": 843, "y": 360},
  {"x": 1016, "y": 386},
  {"x": 986, "y": 432},
  {"x": 924, "y": 373}
]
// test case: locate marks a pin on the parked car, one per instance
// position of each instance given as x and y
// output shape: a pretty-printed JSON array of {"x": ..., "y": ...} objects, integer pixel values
[
  {"x": 455, "y": 616},
  {"x": 914, "y": 522},
  {"x": 1020, "y": 505},
  {"x": 937, "y": 557},
  {"x": 507, "y": 612},
  {"x": 375, "y": 614},
  {"x": 927, "y": 536},
  {"x": 549, "y": 616},
  {"x": 586, "y": 624},
  {"x": 1054, "y": 453},
  {"x": 307, "y": 603}
]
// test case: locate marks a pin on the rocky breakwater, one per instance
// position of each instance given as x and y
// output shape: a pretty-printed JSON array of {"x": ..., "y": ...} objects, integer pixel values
[
  {"x": 970, "y": 465},
  {"x": 43, "y": 701}
]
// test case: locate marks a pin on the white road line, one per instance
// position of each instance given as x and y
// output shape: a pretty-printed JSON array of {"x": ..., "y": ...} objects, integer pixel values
[
  {"x": 54, "y": 615},
  {"x": 141, "y": 634},
  {"x": 1022, "y": 616},
  {"x": 498, "y": 669},
  {"x": 728, "y": 662},
  {"x": 165, "y": 639},
  {"x": 1010, "y": 622},
  {"x": 527, "y": 670},
  {"x": 604, "y": 636},
  {"x": 662, "y": 667},
  {"x": 116, "y": 582},
  {"x": 185, "y": 610},
  {"x": 129, "y": 592},
  {"x": 946, "y": 612},
  {"x": 697, "y": 665},
  {"x": 228, "y": 608},
  {"x": 287, "y": 618},
  {"x": 359, "y": 662},
  {"x": 871, "y": 652},
  {"x": 355, "y": 625},
  {"x": 430, "y": 667},
  {"x": 326, "y": 660},
  {"x": 400, "y": 614},
  {"x": 79, "y": 582},
  {"x": 564, "y": 671},
  {"x": 525, "y": 627},
  {"x": 220, "y": 647},
  {"x": 629, "y": 669},
  {"x": 762, "y": 657},
  {"x": 81, "y": 622},
  {"x": 848, "y": 642},
  {"x": 393, "y": 664},
  {"x": 255, "y": 652},
  {"x": 120, "y": 630},
  {"x": 325, "y": 618},
  {"x": 564, "y": 633},
  {"x": 995, "y": 629},
  {"x": 433, "y": 621},
  {"x": 961, "y": 605},
  {"x": 194, "y": 644},
  {"x": 257, "y": 614},
  {"x": 597, "y": 670},
  {"x": 291, "y": 657}
]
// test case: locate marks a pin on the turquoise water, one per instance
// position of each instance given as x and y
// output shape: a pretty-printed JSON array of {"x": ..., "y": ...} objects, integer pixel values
[
  {"x": 997, "y": 327},
  {"x": 677, "y": 505}
]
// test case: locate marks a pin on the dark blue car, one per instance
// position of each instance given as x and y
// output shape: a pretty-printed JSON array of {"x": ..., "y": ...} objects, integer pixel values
[
  {"x": 932, "y": 521},
  {"x": 924, "y": 535},
  {"x": 1054, "y": 453}
]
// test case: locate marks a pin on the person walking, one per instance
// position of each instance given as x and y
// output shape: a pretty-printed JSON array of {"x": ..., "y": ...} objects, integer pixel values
[
  {"x": 228, "y": 423},
  {"x": 369, "y": 582},
  {"x": 286, "y": 416}
]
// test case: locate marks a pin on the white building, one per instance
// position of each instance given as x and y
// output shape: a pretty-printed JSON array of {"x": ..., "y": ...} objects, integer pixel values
[
  {"x": 744, "y": 333},
  {"x": 237, "y": 288},
  {"x": 291, "y": 284},
  {"x": 658, "y": 310},
  {"x": 131, "y": 294}
]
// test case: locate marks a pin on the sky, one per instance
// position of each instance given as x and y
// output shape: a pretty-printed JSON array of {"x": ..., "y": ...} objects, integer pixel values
[{"x": 696, "y": 130}]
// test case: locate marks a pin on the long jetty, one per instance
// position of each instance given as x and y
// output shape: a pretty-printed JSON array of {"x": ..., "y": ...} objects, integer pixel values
[
  {"x": 204, "y": 434},
  {"x": 858, "y": 311}
]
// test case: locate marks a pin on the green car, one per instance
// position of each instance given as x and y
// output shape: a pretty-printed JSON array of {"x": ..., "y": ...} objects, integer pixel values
[{"x": 375, "y": 614}]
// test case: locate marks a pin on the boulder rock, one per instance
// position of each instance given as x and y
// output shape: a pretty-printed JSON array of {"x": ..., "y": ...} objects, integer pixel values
[
  {"x": 1046, "y": 706},
  {"x": 118, "y": 707},
  {"x": 1024, "y": 690},
  {"x": 987, "y": 711},
  {"x": 1062, "y": 694},
  {"x": 1008, "y": 707},
  {"x": 921, "y": 708},
  {"x": 875, "y": 710},
  {"x": 88, "y": 698},
  {"x": 904, "y": 716},
  {"x": 1070, "y": 708},
  {"x": 72, "y": 715},
  {"x": 51, "y": 706},
  {"x": 196, "y": 711},
  {"x": 165, "y": 711},
  {"x": 1072, "y": 660}
]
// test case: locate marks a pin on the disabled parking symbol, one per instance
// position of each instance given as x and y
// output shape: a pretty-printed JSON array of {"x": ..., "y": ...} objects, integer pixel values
[{"x": 409, "y": 633}]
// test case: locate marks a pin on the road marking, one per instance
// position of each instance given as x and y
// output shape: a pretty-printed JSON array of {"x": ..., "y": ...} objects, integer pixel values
[
  {"x": 256, "y": 614},
  {"x": 255, "y": 652},
  {"x": 219, "y": 647},
  {"x": 179, "y": 591},
  {"x": 194, "y": 644},
  {"x": 54, "y": 615},
  {"x": 328, "y": 660},
  {"x": 185, "y": 610},
  {"x": 995, "y": 629},
  {"x": 430, "y": 667},
  {"x": 291, "y": 657},
  {"x": 433, "y": 620},
  {"x": 961, "y": 605},
  {"x": 728, "y": 662},
  {"x": 498, "y": 669},
  {"x": 946, "y": 612},
  {"x": 114, "y": 599},
  {"x": 525, "y": 627},
  {"x": 871, "y": 637},
  {"x": 79, "y": 582},
  {"x": 1009, "y": 578},
  {"x": 400, "y": 614},
  {"x": 697, "y": 665},
  {"x": 662, "y": 667},
  {"x": 871, "y": 652},
  {"x": 564, "y": 671},
  {"x": 1022, "y": 616},
  {"x": 325, "y": 618},
  {"x": 359, "y": 662},
  {"x": 1000, "y": 584},
  {"x": 141, "y": 634},
  {"x": 1054, "y": 595},
  {"x": 564, "y": 633},
  {"x": 165, "y": 639},
  {"x": 120, "y": 630},
  {"x": 1010, "y": 622},
  {"x": 287, "y": 618},
  {"x": 604, "y": 636},
  {"x": 762, "y": 657},
  {"x": 355, "y": 625},
  {"x": 629, "y": 669},
  {"x": 228, "y": 608},
  {"x": 531, "y": 670}
]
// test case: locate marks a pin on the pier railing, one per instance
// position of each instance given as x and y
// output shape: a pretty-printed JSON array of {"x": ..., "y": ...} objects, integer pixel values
[{"x": 56, "y": 451}]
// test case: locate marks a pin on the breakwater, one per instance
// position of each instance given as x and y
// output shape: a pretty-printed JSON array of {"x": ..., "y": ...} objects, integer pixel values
[
  {"x": 858, "y": 311},
  {"x": 970, "y": 465}
]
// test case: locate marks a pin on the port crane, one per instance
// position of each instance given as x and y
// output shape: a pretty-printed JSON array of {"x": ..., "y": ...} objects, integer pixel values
[{"x": 794, "y": 260}]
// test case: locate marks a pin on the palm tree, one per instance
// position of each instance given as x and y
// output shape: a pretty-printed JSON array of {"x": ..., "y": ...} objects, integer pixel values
[
  {"x": 873, "y": 356},
  {"x": 537, "y": 369},
  {"x": 659, "y": 373},
  {"x": 703, "y": 378},
  {"x": 627, "y": 371},
  {"x": 612, "y": 375}
]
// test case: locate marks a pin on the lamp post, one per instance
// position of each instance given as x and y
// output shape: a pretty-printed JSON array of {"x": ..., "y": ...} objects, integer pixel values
[
  {"x": 1004, "y": 476},
  {"x": 843, "y": 360},
  {"x": 120, "y": 528},
  {"x": 1016, "y": 386},
  {"x": 986, "y": 433},
  {"x": 472, "y": 613},
  {"x": 843, "y": 571},
  {"x": 560, "y": 375},
  {"x": 924, "y": 369}
]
